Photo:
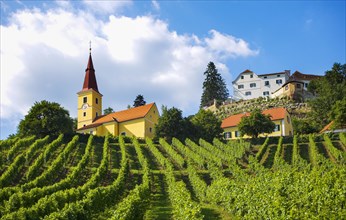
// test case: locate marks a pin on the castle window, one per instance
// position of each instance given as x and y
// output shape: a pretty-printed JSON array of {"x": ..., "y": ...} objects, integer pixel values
[
  {"x": 264, "y": 77},
  {"x": 298, "y": 86},
  {"x": 279, "y": 81},
  {"x": 252, "y": 85},
  {"x": 251, "y": 76},
  {"x": 247, "y": 93},
  {"x": 266, "y": 93},
  {"x": 241, "y": 77},
  {"x": 85, "y": 99},
  {"x": 278, "y": 75},
  {"x": 240, "y": 86},
  {"x": 97, "y": 101},
  {"x": 266, "y": 83},
  {"x": 84, "y": 114},
  {"x": 306, "y": 85}
]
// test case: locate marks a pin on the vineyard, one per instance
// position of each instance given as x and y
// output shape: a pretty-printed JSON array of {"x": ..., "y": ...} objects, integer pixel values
[{"x": 87, "y": 177}]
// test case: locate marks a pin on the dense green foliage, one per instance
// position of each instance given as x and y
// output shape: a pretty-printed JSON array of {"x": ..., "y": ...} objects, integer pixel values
[
  {"x": 139, "y": 101},
  {"x": 206, "y": 125},
  {"x": 106, "y": 178},
  {"x": 202, "y": 125},
  {"x": 330, "y": 101},
  {"x": 108, "y": 110},
  {"x": 255, "y": 124},
  {"x": 46, "y": 118},
  {"x": 170, "y": 124},
  {"x": 214, "y": 86}
]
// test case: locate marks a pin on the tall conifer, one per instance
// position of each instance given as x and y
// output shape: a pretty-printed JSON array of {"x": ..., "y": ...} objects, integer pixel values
[{"x": 214, "y": 87}]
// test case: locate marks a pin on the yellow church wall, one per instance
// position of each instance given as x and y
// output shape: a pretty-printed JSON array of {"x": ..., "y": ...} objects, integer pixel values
[
  {"x": 92, "y": 107},
  {"x": 151, "y": 119},
  {"x": 133, "y": 128},
  {"x": 106, "y": 128}
]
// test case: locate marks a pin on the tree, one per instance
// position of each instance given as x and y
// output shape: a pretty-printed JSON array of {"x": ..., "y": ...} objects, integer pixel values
[
  {"x": 214, "y": 87},
  {"x": 139, "y": 101},
  {"x": 46, "y": 118},
  {"x": 256, "y": 124},
  {"x": 206, "y": 125},
  {"x": 108, "y": 111},
  {"x": 170, "y": 124},
  {"x": 329, "y": 90},
  {"x": 338, "y": 114}
]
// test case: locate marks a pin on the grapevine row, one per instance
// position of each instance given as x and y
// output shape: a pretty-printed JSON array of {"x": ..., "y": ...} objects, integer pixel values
[
  {"x": 188, "y": 153},
  {"x": 183, "y": 206},
  {"x": 207, "y": 155},
  {"x": 172, "y": 153},
  {"x": 56, "y": 200},
  {"x": 98, "y": 198}
]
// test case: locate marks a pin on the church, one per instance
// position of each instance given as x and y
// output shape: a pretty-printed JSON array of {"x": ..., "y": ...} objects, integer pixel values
[{"x": 138, "y": 121}]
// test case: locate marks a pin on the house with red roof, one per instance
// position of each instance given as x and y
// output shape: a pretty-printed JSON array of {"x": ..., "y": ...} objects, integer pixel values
[
  {"x": 296, "y": 87},
  {"x": 139, "y": 121},
  {"x": 280, "y": 117}
]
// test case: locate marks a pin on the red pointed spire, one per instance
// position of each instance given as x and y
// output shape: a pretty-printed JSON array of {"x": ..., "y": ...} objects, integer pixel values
[{"x": 90, "y": 78}]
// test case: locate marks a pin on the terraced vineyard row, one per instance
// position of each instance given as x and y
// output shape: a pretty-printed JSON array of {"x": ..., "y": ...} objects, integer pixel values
[{"x": 106, "y": 178}]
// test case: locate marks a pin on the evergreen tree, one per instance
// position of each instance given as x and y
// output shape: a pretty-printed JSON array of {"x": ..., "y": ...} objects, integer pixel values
[
  {"x": 108, "y": 111},
  {"x": 214, "y": 87},
  {"x": 139, "y": 101}
]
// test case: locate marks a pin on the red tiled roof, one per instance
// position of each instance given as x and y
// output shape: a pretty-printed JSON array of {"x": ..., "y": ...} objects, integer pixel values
[
  {"x": 300, "y": 76},
  {"x": 233, "y": 120},
  {"x": 247, "y": 71},
  {"x": 90, "y": 78},
  {"x": 327, "y": 127},
  {"x": 121, "y": 116}
]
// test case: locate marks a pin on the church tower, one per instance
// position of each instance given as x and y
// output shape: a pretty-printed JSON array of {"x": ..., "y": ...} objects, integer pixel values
[{"x": 89, "y": 99}]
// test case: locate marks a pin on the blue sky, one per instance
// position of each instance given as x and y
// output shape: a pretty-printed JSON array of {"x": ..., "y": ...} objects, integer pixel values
[{"x": 159, "y": 49}]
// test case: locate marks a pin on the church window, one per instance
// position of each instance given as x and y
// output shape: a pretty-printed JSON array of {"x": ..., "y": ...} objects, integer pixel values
[
  {"x": 84, "y": 114},
  {"x": 85, "y": 99},
  {"x": 97, "y": 101}
]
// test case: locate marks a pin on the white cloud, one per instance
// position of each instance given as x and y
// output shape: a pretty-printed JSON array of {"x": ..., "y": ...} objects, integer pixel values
[
  {"x": 44, "y": 55},
  {"x": 229, "y": 46},
  {"x": 155, "y": 4},
  {"x": 105, "y": 6}
]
